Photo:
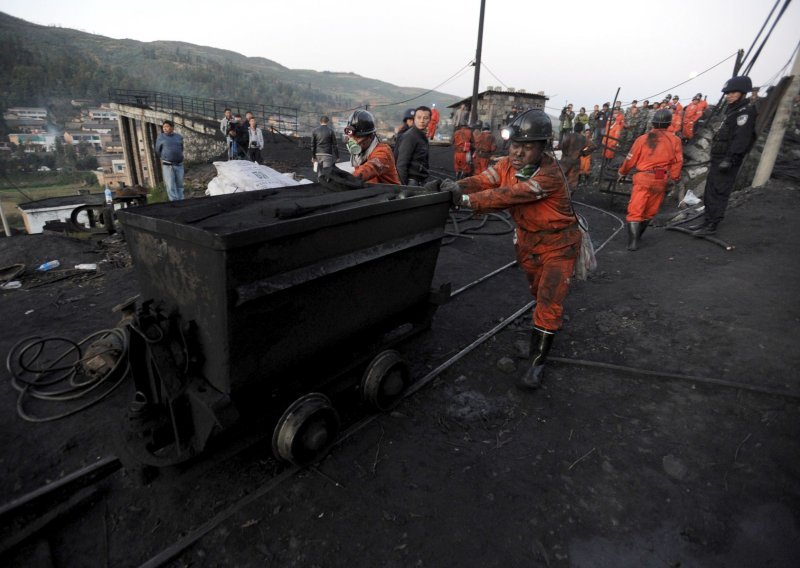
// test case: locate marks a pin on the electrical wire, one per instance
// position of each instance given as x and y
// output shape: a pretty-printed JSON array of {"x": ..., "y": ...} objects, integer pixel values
[
  {"x": 483, "y": 64},
  {"x": 14, "y": 186},
  {"x": 749, "y": 66},
  {"x": 42, "y": 381},
  {"x": 452, "y": 77},
  {"x": 780, "y": 72},
  {"x": 687, "y": 80},
  {"x": 764, "y": 25}
]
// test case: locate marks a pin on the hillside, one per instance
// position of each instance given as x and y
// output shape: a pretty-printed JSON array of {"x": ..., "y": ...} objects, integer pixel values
[{"x": 42, "y": 64}]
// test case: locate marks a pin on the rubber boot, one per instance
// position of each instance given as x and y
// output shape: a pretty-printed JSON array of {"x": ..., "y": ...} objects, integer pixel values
[
  {"x": 708, "y": 229},
  {"x": 643, "y": 227},
  {"x": 540, "y": 346},
  {"x": 633, "y": 235}
]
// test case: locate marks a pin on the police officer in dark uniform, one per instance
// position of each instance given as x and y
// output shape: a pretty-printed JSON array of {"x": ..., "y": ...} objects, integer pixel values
[{"x": 731, "y": 144}]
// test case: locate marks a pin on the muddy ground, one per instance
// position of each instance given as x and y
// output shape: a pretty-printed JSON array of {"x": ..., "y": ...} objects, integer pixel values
[{"x": 661, "y": 461}]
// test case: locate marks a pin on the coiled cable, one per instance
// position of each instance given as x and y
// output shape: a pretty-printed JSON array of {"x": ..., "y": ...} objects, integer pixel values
[{"x": 45, "y": 381}]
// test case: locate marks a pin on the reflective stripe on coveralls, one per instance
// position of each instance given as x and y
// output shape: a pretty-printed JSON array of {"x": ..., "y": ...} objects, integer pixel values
[
  {"x": 484, "y": 147},
  {"x": 462, "y": 146},
  {"x": 547, "y": 237}
]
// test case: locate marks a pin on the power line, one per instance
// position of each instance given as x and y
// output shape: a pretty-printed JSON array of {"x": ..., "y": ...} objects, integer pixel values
[
  {"x": 785, "y": 65},
  {"x": 452, "y": 77},
  {"x": 769, "y": 33},
  {"x": 688, "y": 80},
  {"x": 493, "y": 75}
]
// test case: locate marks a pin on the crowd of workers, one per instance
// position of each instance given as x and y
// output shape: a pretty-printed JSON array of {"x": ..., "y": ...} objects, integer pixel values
[
  {"x": 529, "y": 182},
  {"x": 614, "y": 127},
  {"x": 535, "y": 187}
]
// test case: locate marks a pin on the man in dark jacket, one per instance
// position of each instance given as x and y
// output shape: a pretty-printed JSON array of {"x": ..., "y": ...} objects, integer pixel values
[
  {"x": 408, "y": 124},
  {"x": 324, "y": 149},
  {"x": 730, "y": 145},
  {"x": 601, "y": 121},
  {"x": 412, "y": 151},
  {"x": 237, "y": 131}
]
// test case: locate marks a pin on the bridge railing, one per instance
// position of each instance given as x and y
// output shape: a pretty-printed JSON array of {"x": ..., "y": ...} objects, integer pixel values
[{"x": 282, "y": 119}]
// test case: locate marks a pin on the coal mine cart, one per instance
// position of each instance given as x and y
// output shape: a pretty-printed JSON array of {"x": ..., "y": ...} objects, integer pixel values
[{"x": 263, "y": 307}]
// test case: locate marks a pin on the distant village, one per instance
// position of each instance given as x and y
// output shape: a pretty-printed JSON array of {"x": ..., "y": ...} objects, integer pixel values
[{"x": 33, "y": 130}]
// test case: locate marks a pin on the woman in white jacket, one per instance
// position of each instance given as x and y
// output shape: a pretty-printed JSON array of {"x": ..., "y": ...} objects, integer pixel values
[{"x": 255, "y": 142}]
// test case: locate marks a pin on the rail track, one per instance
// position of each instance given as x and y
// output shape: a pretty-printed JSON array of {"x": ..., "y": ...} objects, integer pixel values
[{"x": 76, "y": 487}]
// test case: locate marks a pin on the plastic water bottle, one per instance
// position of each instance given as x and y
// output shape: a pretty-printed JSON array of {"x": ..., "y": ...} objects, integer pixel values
[
  {"x": 48, "y": 266},
  {"x": 109, "y": 196}
]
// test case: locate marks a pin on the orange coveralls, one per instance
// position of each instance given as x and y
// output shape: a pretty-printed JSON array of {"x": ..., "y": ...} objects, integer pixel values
[
  {"x": 484, "y": 148},
  {"x": 462, "y": 146},
  {"x": 433, "y": 123},
  {"x": 586, "y": 155},
  {"x": 379, "y": 167},
  {"x": 611, "y": 140},
  {"x": 571, "y": 147},
  {"x": 547, "y": 239},
  {"x": 657, "y": 157},
  {"x": 693, "y": 112},
  {"x": 677, "y": 119}
]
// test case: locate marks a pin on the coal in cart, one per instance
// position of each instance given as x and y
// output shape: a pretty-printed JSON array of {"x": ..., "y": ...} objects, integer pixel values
[{"x": 270, "y": 302}]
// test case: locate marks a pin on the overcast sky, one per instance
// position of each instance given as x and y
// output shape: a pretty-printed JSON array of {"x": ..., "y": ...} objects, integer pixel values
[{"x": 574, "y": 50}]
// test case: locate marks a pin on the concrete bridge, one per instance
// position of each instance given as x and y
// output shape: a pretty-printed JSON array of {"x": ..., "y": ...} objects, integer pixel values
[{"x": 141, "y": 113}]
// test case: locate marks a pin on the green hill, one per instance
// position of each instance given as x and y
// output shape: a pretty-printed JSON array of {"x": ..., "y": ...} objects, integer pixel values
[{"x": 46, "y": 66}]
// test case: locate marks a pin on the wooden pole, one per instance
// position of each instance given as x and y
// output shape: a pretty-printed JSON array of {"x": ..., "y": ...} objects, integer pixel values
[
  {"x": 5, "y": 221},
  {"x": 473, "y": 112},
  {"x": 776, "y": 133}
]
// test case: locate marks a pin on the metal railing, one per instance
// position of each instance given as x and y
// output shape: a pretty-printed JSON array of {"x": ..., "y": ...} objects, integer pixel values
[{"x": 282, "y": 119}]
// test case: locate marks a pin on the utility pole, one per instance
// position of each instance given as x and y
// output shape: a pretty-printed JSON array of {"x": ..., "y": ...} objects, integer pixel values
[
  {"x": 778, "y": 129},
  {"x": 473, "y": 112},
  {"x": 6, "y": 230}
]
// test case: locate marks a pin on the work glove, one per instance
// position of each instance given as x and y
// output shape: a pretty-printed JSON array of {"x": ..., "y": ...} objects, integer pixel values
[
  {"x": 433, "y": 186},
  {"x": 620, "y": 178},
  {"x": 449, "y": 185},
  {"x": 340, "y": 180},
  {"x": 724, "y": 165},
  {"x": 455, "y": 192}
]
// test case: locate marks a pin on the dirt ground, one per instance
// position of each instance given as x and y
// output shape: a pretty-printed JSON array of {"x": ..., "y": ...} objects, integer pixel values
[{"x": 660, "y": 461}]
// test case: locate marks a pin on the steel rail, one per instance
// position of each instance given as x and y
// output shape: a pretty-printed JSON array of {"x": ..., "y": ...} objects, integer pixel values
[{"x": 178, "y": 546}]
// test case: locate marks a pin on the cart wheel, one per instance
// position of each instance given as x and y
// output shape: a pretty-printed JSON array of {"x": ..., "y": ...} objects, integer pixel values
[
  {"x": 306, "y": 431},
  {"x": 385, "y": 380}
]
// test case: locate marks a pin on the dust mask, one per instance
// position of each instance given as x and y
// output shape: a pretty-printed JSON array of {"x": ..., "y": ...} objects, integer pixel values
[{"x": 353, "y": 147}]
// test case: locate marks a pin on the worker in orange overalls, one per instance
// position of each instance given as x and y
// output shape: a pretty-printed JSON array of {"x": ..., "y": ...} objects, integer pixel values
[
  {"x": 434, "y": 122},
  {"x": 692, "y": 113},
  {"x": 485, "y": 146},
  {"x": 462, "y": 151},
  {"x": 372, "y": 160},
  {"x": 658, "y": 159},
  {"x": 529, "y": 183},
  {"x": 586, "y": 155},
  {"x": 613, "y": 133},
  {"x": 571, "y": 147},
  {"x": 676, "y": 126}
]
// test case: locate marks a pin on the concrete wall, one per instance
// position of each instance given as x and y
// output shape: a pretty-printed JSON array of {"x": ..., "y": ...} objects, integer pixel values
[{"x": 139, "y": 127}]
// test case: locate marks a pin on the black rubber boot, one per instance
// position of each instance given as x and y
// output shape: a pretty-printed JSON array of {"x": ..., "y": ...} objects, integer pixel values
[
  {"x": 643, "y": 227},
  {"x": 708, "y": 229},
  {"x": 540, "y": 346},
  {"x": 633, "y": 235}
]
